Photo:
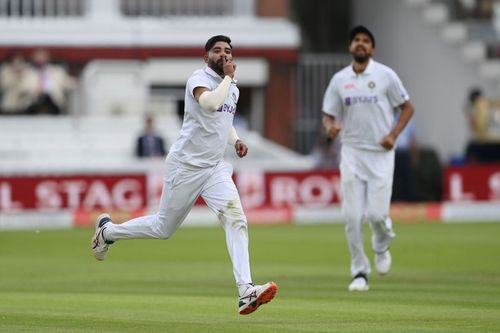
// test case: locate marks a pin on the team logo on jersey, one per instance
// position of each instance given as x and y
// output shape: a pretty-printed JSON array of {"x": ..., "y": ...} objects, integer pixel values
[
  {"x": 227, "y": 109},
  {"x": 235, "y": 99},
  {"x": 348, "y": 101},
  {"x": 371, "y": 84}
]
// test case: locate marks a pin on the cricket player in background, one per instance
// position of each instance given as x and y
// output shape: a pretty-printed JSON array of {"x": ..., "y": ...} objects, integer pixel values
[
  {"x": 194, "y": 167},
  {"x": 359, "y": 104}
]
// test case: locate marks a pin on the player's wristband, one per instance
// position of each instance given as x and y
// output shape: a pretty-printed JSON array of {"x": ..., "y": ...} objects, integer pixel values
[
  {"x": 213, "y": 100},
  {"x": 233, "y": 136}
]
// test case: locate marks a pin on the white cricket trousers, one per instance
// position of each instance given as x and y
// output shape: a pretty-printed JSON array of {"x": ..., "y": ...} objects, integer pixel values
[
  {"x": 366, "y": 182},
  {"x": 181, "y": 187}
]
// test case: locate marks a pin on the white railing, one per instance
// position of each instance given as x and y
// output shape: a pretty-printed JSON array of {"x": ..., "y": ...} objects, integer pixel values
[
  {"x": 314, "y": 72},
  {"x": 168, "y": 8},
  {"x": 41, "y": 8}
]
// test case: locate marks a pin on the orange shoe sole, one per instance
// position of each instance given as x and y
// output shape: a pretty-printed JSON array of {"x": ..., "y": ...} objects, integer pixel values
[{"x": 266, "y": 297}]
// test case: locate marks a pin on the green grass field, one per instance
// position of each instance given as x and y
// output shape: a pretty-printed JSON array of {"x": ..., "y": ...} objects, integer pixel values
[{"x": 445, "y": 278}]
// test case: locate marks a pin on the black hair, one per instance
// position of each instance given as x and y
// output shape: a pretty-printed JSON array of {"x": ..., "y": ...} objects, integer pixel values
[
  {"x": 219, "y": 38},
  {"x": 474, "y": 94},
  {"x": 361, "y": 29}
]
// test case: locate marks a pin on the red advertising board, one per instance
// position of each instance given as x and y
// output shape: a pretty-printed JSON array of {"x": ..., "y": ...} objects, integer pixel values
[
  {"x": 311, "y": 189},
  {"x": 472, "y": 183},
  {"x": 258, "y": 190},
  {"x": 85, "y": 192}
]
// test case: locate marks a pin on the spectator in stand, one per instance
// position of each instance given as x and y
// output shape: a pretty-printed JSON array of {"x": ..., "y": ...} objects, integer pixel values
[
  {"x": 484, "y": 124},
  {"x": 150, "y": 144},
  {"x": 15, "y": 92},
  {"x": 477, "y": 113},
  {"x": 50, "y": 84},
  {"x": 484, "y": 9}
]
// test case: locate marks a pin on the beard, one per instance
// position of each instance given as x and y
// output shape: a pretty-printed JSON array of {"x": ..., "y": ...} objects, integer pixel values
[
  {"x": 360, "y": 55},
  {"x": 216, "y": 66},
  {"x": 361, "y": 59}
]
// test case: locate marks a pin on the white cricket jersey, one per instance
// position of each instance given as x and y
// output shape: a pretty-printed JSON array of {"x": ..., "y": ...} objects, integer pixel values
[
  {"x": 364, "y": 104},
  {"x": 204, "y": 135}
]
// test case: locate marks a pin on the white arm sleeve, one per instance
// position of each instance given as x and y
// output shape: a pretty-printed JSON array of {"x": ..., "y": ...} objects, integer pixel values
[
  {"x": 233, "y": 137},
  {"x": 212, "y": 100}
]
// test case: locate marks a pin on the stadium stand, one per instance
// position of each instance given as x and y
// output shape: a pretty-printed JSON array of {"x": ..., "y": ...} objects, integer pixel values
[
  {"x": 130, "y": 64},
  {"x": 472, "y": 24}
]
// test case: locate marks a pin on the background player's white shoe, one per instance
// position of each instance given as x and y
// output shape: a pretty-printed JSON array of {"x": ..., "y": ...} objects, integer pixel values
[
  {"x": 255, "y": 296},
  {"x": 98, "y": 244},
  {"x": 359, "y": 283},
  {"x": 383, "y": 262}
]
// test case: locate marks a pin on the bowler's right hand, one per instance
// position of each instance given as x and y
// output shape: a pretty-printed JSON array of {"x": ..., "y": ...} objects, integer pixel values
[
  {"x": 228, "y": 67},
  {"x": 333, "y": 130},
  {"x": 332, "y": 127}
]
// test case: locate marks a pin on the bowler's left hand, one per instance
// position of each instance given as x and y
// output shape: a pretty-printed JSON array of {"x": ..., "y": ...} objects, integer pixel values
[{"x": 241, "y": 148}]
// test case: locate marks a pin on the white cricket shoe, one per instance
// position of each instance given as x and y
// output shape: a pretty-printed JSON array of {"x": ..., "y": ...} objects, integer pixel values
[
  {"x": 383, "y": 262},
  {"x": 255, "y": 296},
  {"x": 98, "y": 244},
  {"x": 359, "y": 283}
]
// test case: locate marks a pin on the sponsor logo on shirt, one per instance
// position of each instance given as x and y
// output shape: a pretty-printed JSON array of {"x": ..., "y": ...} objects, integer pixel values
[
  {"x": 227, "y": 108},
  {"x": 348, "y": 101},
  {"x": 349, "y": 86}
]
